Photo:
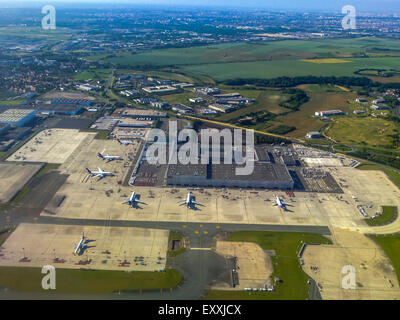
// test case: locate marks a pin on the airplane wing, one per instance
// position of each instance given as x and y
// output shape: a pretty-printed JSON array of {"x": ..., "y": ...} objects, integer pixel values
[
  {"x": 138, "y": 201},
  {"x": 125, "y": 201},
  {"x": 199, "y": 204}
]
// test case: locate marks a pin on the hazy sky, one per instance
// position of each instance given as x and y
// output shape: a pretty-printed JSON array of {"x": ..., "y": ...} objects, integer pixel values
[{"x": 361, "y": 5}]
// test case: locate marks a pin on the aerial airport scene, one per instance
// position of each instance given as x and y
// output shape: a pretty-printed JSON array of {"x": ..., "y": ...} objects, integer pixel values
[{"x": 199, "y": 153}]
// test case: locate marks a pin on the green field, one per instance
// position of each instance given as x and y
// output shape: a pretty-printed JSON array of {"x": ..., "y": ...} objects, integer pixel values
[
  {"x": 388, "y": 214},
  {"x": 288, "y": 68},
  {"x": 269, "y": 59},
  {"x": 98, "y": 74},
  {"x": 370, "y": 131},
  {"x": 81, "y": 281},
  {"x": 286, "y": 265}
]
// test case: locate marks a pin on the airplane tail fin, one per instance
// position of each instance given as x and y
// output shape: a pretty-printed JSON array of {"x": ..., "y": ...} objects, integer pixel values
[
  {"x": 100, "y": 155},
  {"x": 90, "y": 172},
  {"x": 119, "y": 141}
]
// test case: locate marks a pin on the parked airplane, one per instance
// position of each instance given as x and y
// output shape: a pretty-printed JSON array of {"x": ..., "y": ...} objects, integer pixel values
[
  {"x": 189, "y": 201},
  {"x": 280, "y": 203},
  {"x": 109, "y": 158},
  {"x": 133, "y": 200},
  {"x": 124, "y": 142},
  {"x": 101, "y": 174},
  {"x": 81, "y": 245}
]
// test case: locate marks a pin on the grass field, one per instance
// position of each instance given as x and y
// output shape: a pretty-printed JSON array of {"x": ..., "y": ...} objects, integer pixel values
[
  {"x": 286, "y": 265},
  {"x": 323, "y": 61},
  {"x": 98, "y": 74},
  {"x": 388, "y": 215},
  {"x": 390, "y": 245},
  {"x": 370, "y": 131},
  {"x": 340, "y": 57},
  {"x": 288, "y": 68},
  {"x": 81, "y": 281},
  {"x": 303, "y": 119}
]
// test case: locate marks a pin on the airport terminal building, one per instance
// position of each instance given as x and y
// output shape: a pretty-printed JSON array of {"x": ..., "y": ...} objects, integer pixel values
[{"x": 265, "y": 175}]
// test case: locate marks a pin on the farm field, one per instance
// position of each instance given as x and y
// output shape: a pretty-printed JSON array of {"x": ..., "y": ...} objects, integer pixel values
[
  {"x": 371, "y": 131},
  {"x": 289, "y": 68},
  {"x": 274, "y": 50},
  {"x": 319, "y": 101}
]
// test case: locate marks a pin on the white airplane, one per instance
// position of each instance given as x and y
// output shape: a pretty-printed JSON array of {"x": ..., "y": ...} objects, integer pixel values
[
  {"x": 101, "y": 174},
  {"x": 189, "y": 201},
  {"x": 280, "y": 203},
  {"x": 81, "y": 245},
  {"x": 133, "y": 200},
  {"x": 124, "y": 142},
  {"x": 109, "y": 158}
]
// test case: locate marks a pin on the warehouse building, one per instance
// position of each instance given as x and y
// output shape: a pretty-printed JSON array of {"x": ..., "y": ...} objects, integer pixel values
[
  {"x": 59, "y": 108},
  {"x": 265, "y": 175},
  {"x": 224, "y": 108},
  {"x": 17, "y": 117},
  {"x": 139, "y": 114},
  {"x": 329, "y": 113}
]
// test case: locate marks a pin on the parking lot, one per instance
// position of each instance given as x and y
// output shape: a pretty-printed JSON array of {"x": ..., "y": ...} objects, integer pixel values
[
  {"x": 253, "y": 265},
  {"x": 102, "y": 199},
  {"x": 52, "y": 146},
  {"x": 13, "y": 177},
  {"x": 108, "y": 248},
  {"x": 375, "y": 277}
]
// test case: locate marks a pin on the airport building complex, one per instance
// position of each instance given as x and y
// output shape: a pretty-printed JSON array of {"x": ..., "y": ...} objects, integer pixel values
[
  {"x": 264, "y": 175},
  {"x": 17, "y": 117}
]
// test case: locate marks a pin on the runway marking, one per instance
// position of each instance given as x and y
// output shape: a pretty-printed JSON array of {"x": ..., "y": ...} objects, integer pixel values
[
  {"x": 184, "y": 225},
  {"x": 218, "y": 227},
  {"x": 201, "y": 226},
  {"x": 205, "y": 232},
  {"x": 196, "y": 232},
  {"x": 204, "y": 249}
]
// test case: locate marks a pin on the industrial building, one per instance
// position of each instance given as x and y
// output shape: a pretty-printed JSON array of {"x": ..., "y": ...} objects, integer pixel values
[
  {"x": 4, "y": 127},
  {"x": 313, "y": 135},
  {"x": 139, "y": 113},
  {"x": 329, "y": 113},
  {"x": 224, "y": 108},
  {"x": 83, "y": 102},
  {"x": 59, "y": 108},
  {"x": 159, "y": 89},
  {"x": 17, "y": 117},
  {"x": 182, "y": 108},
  {"x": 134, "y": 123},
  {"x": 265, "y": 175}
]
